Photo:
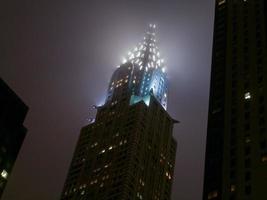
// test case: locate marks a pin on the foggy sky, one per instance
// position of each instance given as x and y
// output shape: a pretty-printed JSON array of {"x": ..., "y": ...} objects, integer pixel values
[{"x": 58, "y": 56}]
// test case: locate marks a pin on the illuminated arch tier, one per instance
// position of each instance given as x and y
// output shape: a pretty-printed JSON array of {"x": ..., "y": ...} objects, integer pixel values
[{"x": 142, "y": 73}]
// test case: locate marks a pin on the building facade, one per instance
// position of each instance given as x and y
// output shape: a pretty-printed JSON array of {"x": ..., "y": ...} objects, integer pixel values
[
  {"x": 12, "y": 132},
  {"x": 128, "y": 152},
  {"x": 236, "y": 149}
]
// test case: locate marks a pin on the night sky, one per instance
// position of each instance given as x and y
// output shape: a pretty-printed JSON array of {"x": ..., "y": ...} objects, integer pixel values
[{"x": 58, "y": 56}]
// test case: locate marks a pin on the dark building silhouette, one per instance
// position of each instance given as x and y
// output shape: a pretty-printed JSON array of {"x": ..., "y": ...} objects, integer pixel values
[
  {"x": 12, "y": 132},
  {"x": 236, "y": 151},
  {"x": 128, "y": 152}
]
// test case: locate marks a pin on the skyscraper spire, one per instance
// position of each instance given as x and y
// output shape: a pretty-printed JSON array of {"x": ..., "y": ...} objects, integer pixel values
[
  {"x": 144, "y": 72},
  {"x": 146, "y": 53},
  {"x": 128, "y": 151}
]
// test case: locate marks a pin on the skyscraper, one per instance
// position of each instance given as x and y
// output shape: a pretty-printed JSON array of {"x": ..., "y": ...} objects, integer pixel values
[
  {"x": 128, "y": 151},
  {"x": 236, "y": 151},
  {"x": 12, "y": 131}
]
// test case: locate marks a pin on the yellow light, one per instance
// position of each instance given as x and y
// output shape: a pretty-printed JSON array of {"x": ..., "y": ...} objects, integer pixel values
[{"x": 4, "y": 174}]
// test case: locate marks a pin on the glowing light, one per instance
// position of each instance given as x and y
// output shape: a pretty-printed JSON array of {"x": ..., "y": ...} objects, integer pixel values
[
  {"x": 247, "y": 96},
  {"x": 124, "y": 60},
  {"x": 4, "y": 174},
  {"x": 131, "y": 56},
  {"x": 144, "y": 57},
  {"x": 135, "y": 99}
]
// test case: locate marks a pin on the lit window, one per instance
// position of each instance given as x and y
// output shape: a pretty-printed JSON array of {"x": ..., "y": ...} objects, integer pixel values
[
  {"x": 139, "y": 195},
  {"x": 221, "y": 2},
  {"x": 124, "y": 60},
  {"x": 264, "y": 158},
  {"x": 141, "y": 182},
  {"x": 131, "y": 56},
  {"x": 247, "y": 95},
  {"x": 248, "y": 140},
  {"x": 4, "y": 174},
  {"x": 94, "y": 145},
  {"x": 232, "y": 188},
  {"x": 213, "y": 195},
  {"x": 103, "y": 151},
  {"x": 168, "y": 175}
]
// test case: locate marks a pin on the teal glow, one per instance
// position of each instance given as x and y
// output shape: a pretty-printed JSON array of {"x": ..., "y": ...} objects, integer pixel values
[
  {"x": 142, "y": 74},
  {"x": 135, "y": 99}
]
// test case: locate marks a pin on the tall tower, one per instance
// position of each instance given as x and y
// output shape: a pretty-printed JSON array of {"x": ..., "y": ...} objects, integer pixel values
[
  {"x": 236, "y": 151},
  {"x": 12, "y": 132},
  {"x": 128, "y": 152}
]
